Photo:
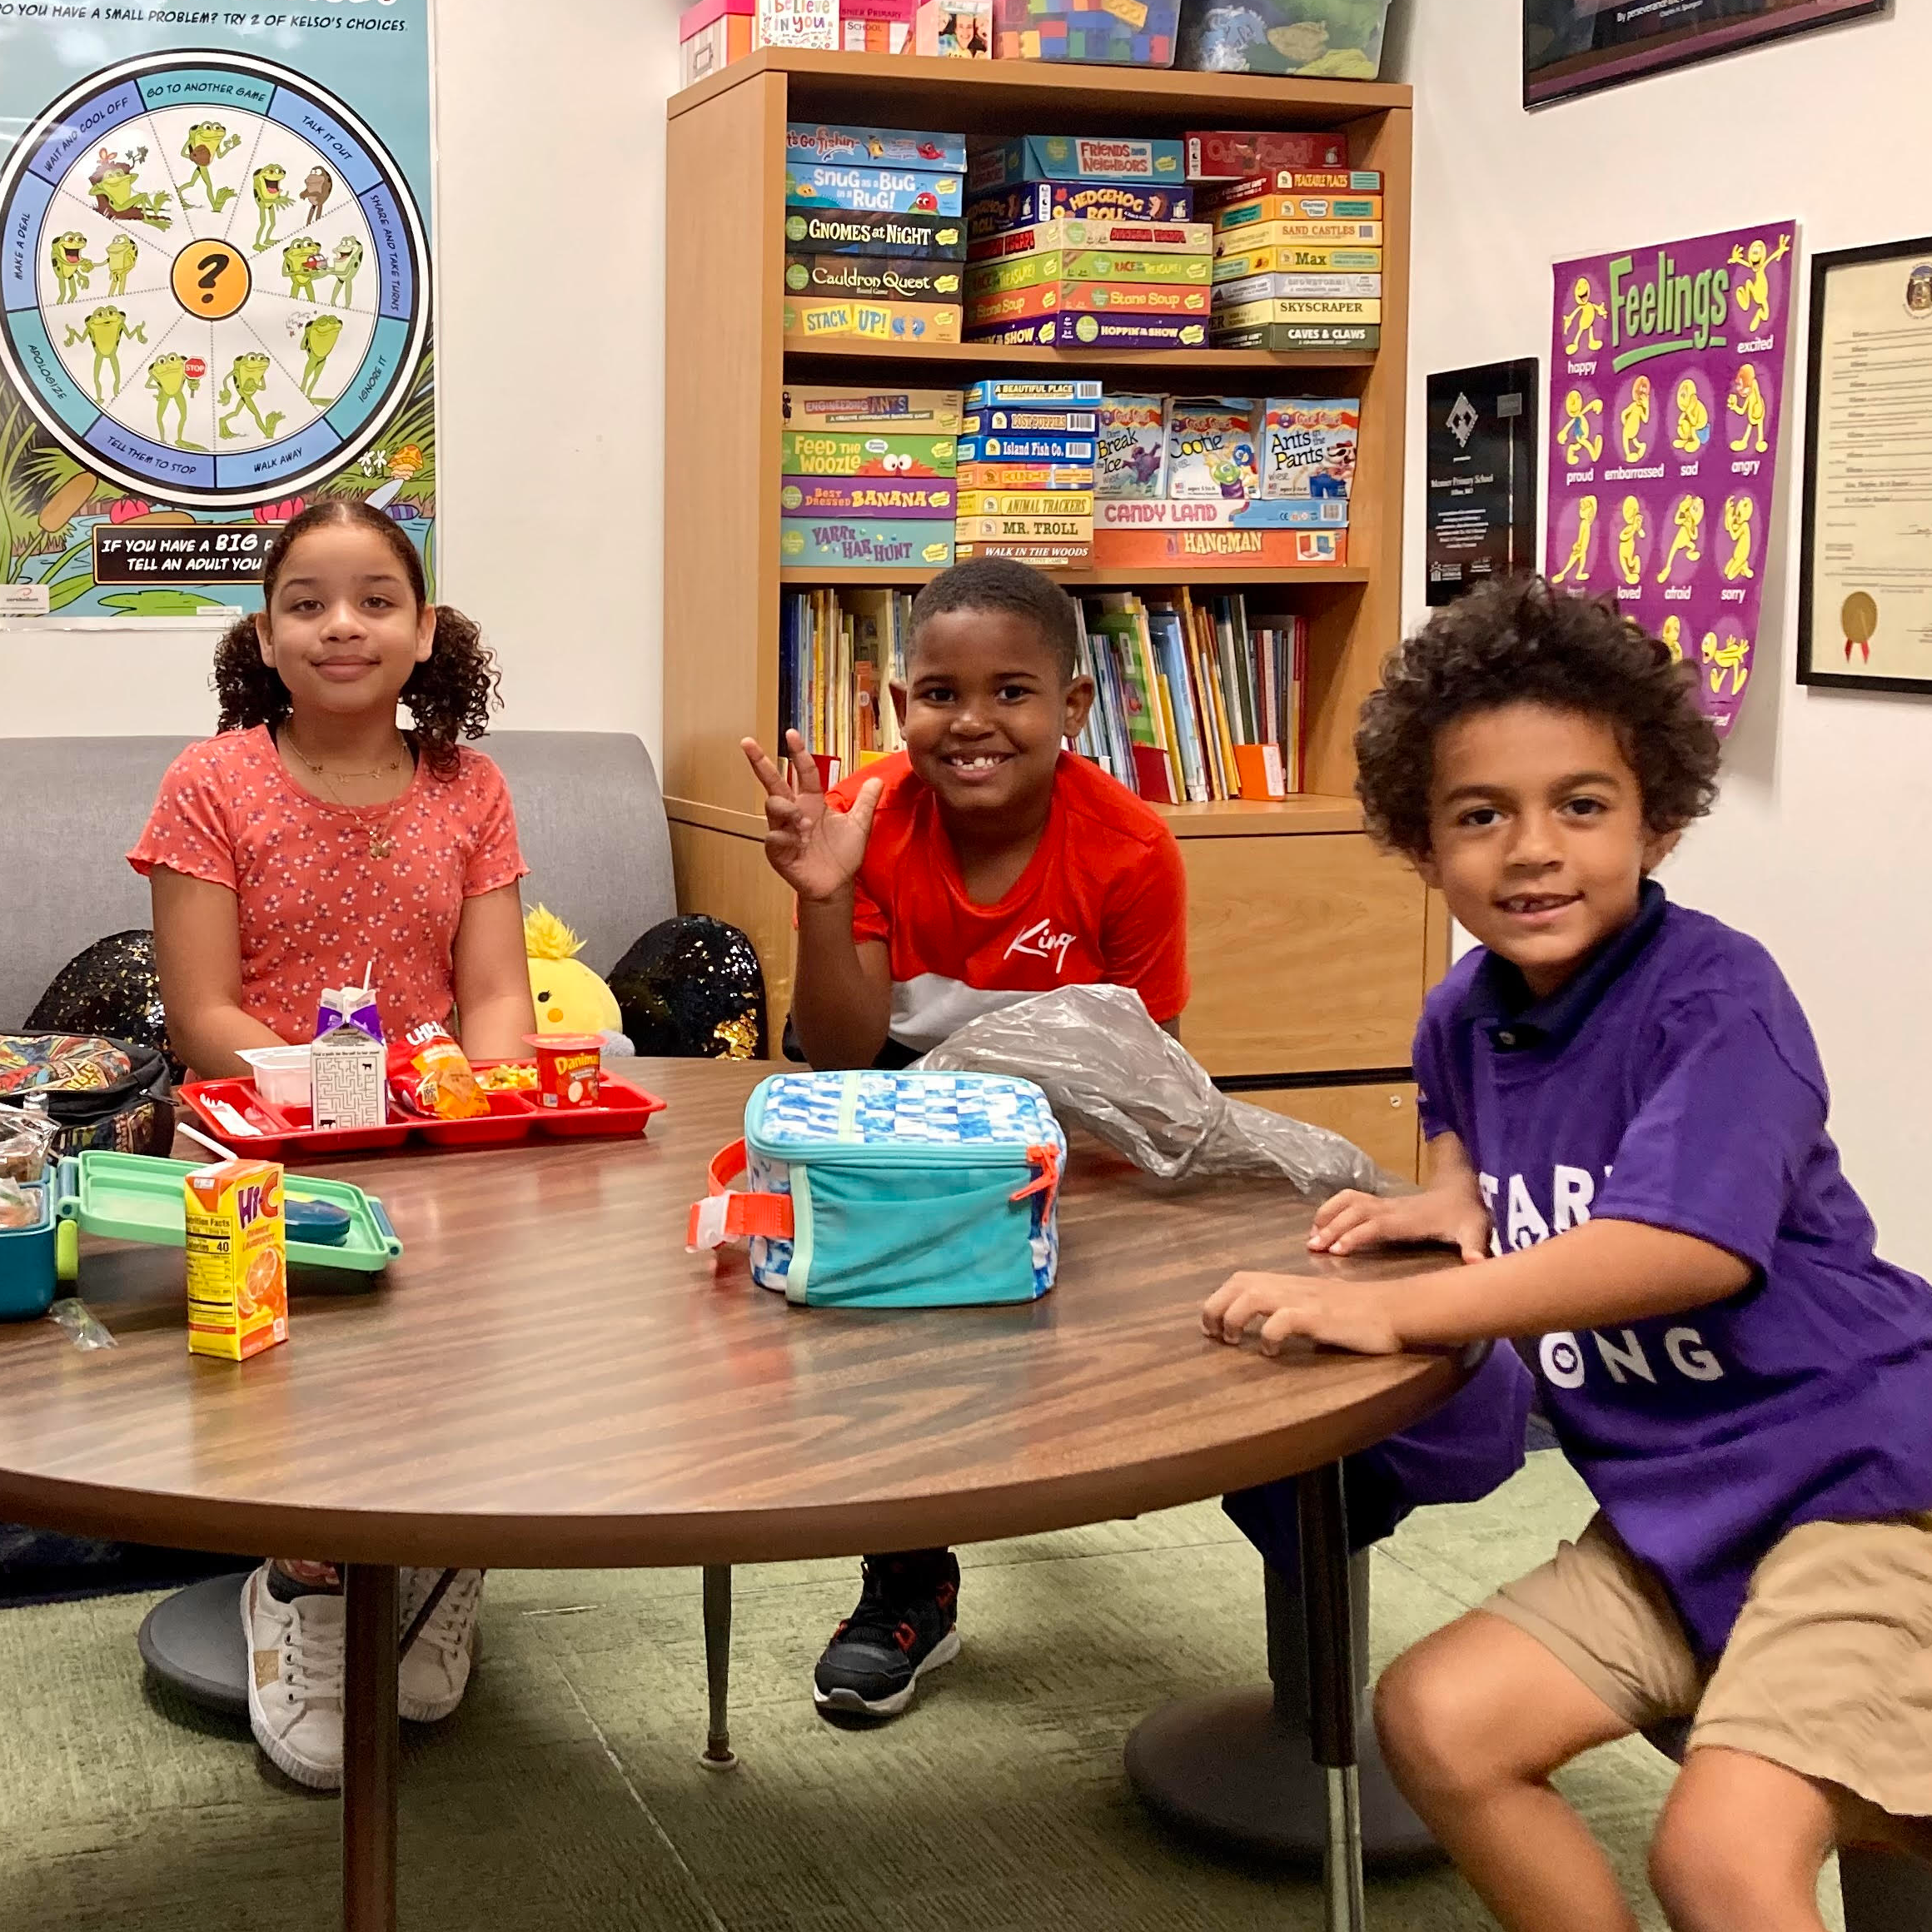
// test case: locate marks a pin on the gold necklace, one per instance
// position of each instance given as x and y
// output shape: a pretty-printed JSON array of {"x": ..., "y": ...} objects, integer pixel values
[{"x": 381, "y": 845}]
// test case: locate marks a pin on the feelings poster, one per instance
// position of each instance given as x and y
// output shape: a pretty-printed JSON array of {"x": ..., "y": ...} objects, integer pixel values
[
  {"x": 1666, "y": 400},
  {"x": 215, "y": 293}
]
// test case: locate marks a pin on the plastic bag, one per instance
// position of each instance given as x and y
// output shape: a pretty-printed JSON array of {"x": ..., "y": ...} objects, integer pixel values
[
  {"x": 1108, "y": 1067},
  {"x": 70, "y": 1315},
  {"x": 27, "y": 1142}
]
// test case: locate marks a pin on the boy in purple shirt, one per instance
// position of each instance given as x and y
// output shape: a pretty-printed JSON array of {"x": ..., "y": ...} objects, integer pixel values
[{"x": 1627, "y": 1116}]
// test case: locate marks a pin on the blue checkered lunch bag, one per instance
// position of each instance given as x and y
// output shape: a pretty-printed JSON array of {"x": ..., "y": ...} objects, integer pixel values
[{"x": 872, "y": 1190}]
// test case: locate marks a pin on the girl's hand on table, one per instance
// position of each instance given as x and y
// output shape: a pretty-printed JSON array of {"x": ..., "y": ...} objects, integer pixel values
[
  {"x": 1350, "y": 1223},
  {"x": 1354, "y": 1316}
]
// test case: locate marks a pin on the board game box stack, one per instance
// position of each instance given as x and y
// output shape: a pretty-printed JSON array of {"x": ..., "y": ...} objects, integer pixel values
[
  {"x": 1078, "y": 242},
  {"x": 1196, "y": 699},
  {"x": 1206, "y": 481},
  {"x": 869, "y": 478},
  {"x": 1026, "y": 470},
  {"x": 875, "y": 241},
  {"x": 1298, "y": 240}
]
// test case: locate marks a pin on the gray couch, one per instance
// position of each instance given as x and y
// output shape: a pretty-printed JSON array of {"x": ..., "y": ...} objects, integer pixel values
[{"x": 588, "y": 810}]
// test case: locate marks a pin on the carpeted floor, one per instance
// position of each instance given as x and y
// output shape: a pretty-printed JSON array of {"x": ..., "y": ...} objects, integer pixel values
[{"x": 564, "y": 1797}]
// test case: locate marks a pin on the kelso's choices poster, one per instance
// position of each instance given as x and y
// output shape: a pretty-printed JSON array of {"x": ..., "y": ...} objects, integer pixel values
[
  {"x": 214, "y": 293},
  {"x": 1666, "y": 396}
]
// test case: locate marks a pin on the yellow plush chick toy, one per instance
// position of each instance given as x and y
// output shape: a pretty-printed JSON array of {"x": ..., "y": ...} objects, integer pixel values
[{"x": 569, "y": 997}]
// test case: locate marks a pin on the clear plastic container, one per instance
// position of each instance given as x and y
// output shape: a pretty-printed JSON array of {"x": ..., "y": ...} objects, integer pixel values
[
  {"x": 1334, "y": 40},
  {"x": 281, "y": 1074}
]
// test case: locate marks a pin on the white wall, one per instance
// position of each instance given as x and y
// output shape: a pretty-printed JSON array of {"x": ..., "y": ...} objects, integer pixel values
[
  {"x": 1821, "y": 844},
  {"x": 550, "y": 248}
]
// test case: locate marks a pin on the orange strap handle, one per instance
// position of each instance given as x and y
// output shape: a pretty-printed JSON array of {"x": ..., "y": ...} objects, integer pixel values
[{"x": 724, "y": 1216}]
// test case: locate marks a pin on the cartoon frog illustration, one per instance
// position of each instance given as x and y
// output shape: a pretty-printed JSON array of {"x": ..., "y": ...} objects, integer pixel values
[
  {"x": 270, "y": 201},
  {"x": 319, "y": 337},
  {"x": 240, "y": 386},
  {"x": 68, "y": 253},
  {"x": 112, "y": 186},
  {"x": 345, "y": 264},
  {"x": 316, "y": 190},
  {"x": 173, "y": 379},
  {"x": 301, "y": 262},
  {"x": 105, "y": 328},
  {"x": 208, "y": 141},
  {"x": 123, "y": 252}
]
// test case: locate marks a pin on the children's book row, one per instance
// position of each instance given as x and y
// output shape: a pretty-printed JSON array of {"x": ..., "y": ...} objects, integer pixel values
[{"x": 1195, "y": 699}]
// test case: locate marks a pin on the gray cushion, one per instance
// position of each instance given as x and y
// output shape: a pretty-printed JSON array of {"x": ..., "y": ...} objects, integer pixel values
[{"x": 588, "y": 810}]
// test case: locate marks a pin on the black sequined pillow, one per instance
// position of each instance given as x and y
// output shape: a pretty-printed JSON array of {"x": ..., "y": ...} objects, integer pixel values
[
  {"x": 691, "y": 989},
  {"x": 112, "y": 989}
]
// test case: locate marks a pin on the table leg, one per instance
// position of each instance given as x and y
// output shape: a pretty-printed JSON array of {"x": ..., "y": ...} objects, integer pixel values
[
  {"x": 369, "y": 1751},
  {"x": 718, "y": 1753},
  {"x": 1331, "y": 1673}
]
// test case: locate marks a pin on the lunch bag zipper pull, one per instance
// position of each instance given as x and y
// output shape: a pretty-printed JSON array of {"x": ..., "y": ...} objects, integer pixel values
[{"x": 1047, "y": 1159}]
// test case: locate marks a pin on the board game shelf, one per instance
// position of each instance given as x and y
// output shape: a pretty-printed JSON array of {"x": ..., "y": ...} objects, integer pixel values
[
  {"x": 1229, "y": 577},
  {"x": 1311, "y": 951}
]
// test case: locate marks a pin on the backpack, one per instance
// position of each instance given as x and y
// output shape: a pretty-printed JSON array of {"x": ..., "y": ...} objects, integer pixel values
[
  {"x": 879, "y": 1190},
  {"x": 100, "y": 1093}
]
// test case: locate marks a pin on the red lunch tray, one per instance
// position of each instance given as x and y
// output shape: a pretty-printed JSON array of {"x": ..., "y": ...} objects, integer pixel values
[{"x": 513, "y": 1116}]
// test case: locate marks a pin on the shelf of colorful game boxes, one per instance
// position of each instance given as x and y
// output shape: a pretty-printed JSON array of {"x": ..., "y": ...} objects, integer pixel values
[
  {"x": 1215, "y": 575},
  {"x": 1000, "y": 357},
  {"x": 1018, "y": 96}
]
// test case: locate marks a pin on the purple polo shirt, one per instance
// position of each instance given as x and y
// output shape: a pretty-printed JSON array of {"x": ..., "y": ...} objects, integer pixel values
[{"x": 1674, "y": 1082}]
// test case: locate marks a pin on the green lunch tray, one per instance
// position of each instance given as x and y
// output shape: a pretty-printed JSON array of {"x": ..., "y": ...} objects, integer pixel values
[{"x": 136, "y": 1198}]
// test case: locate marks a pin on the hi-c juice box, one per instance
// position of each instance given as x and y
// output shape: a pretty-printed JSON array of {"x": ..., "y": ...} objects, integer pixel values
[{"x": 237, "y": 1248}]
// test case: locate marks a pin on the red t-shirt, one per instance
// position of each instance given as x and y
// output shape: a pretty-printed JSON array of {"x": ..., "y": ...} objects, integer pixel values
[
  {"x": 314, "y": 906},
  {"x": 1103, "y": 902}
]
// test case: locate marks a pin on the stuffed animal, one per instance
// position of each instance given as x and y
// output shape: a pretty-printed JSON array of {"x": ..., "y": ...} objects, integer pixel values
[{"x": 569, "y": 997}]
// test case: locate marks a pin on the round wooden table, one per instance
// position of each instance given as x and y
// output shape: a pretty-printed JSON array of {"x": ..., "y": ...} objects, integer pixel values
[{"x": 546, "y": 1378}]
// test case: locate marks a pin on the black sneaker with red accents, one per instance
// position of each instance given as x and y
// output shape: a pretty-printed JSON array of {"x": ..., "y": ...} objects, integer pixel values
[{"x": 907, "y": 1623}]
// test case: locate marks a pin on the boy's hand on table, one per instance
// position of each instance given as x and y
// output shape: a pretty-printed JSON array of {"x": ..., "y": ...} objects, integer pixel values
[
  {"x": 1349, "y": 1223},
  {"x": 815, "y": 849},
  {"x": 1352, "y": 1316}
]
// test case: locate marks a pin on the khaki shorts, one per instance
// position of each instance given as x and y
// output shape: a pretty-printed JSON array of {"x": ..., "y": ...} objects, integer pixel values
[{"x": 1828, "y": 1671}]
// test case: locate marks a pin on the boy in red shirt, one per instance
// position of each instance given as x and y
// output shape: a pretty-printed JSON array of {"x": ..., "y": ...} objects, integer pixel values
[{"x": 984, "y": 863}]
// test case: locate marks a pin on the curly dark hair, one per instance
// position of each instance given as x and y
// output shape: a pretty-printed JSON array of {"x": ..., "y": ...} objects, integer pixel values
[
  {"x": 450, "y": 694},
  {"x": 994, "y": 584},
  {"x": 1518, "y": 642}
]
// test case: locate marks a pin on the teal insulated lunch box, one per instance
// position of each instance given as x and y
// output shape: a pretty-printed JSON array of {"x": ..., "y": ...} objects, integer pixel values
[{"x": 874, "y": 1190}]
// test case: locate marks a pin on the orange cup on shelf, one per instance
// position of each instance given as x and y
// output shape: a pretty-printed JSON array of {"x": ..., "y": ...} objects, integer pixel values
[{"x": 568, "y": 1067}]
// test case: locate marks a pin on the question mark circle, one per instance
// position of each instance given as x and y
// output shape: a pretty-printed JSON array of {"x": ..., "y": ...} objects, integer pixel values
[{"x": 211, "y": 280}]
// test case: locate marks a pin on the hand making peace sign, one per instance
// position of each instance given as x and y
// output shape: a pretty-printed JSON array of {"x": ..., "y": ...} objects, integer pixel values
[{"x": 815, "y": 849}]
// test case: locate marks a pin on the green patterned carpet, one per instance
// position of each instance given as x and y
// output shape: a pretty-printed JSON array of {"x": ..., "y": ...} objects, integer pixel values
[{"x": 565, "y": 1795}]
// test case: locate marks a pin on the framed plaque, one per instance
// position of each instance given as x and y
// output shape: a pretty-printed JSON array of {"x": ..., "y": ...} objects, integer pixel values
[
  {"x": 1864, "y": 601},
  {"x": 1483, "y": 448}
]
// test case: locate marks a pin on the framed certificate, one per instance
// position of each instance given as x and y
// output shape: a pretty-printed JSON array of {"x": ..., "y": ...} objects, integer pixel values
[{"x": 1864, "y": 601}]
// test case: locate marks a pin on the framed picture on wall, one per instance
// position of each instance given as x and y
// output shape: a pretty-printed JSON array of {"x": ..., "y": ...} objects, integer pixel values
[
  {"x": 1575, "y": 47},
  {"x": 1864, "y": 590}
]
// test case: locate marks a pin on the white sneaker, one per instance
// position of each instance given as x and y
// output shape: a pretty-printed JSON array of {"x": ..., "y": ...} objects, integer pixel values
[
  {"x": 295, "y": 1681},
  {"x": 436, "y": 1668}
]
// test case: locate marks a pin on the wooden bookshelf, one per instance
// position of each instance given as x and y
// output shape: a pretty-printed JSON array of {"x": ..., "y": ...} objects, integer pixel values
[{"x": 1310, "y": 953}]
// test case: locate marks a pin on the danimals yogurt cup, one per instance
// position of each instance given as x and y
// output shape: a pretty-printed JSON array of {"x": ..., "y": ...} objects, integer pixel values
[{"x": 567, "y": 1068}]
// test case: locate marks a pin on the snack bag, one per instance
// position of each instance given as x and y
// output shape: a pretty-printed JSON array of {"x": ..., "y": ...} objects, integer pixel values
[
  {"x": 431, "y": 1075},
  {"x": 237, "y": 1247},
  {"x": 353, "y": 1006}
]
